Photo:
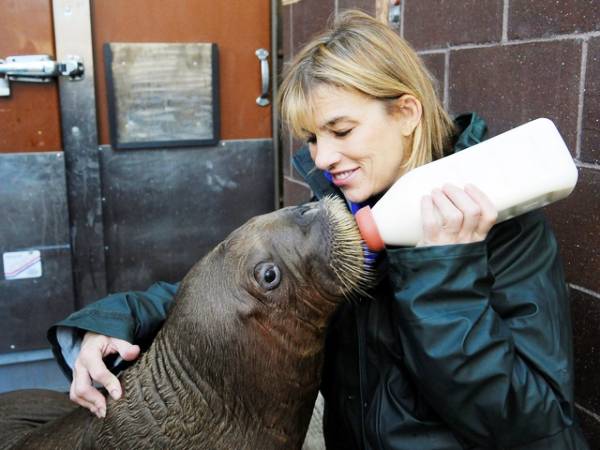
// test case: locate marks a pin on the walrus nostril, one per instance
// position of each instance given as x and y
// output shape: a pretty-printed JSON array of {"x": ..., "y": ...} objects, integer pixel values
[
  {"x": 304, "y": 209},
  {"x": 305, "y": 214}
]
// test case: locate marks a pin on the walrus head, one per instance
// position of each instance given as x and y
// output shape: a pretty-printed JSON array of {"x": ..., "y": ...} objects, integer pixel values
[
  {"x": 243, "y": 344},
  {"x": 278, "y": 273}
]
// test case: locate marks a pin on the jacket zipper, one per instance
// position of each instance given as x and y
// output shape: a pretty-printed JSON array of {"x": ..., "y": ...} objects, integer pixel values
[{"x": 362, "y": 376}]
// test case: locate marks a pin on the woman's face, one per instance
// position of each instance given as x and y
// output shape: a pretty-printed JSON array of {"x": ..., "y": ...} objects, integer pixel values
[{"x": 357, "y": 141}]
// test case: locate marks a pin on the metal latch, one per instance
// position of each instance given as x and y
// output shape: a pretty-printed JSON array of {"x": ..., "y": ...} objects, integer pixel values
[{"x": 37, "y": 69}]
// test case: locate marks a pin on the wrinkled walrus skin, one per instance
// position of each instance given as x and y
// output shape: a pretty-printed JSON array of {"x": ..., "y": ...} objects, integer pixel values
[{"x": 237, "y": 363}]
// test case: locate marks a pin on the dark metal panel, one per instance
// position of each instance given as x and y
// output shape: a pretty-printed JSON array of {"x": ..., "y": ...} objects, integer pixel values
[
  {"x": 33, "y": 206},
  {"x": 34, "y": 369},
  {"x": 72, "y": 26},
  {"x": 164, "y": 209}
]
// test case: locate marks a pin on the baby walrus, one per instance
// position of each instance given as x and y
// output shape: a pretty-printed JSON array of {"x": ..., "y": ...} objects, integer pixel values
[{"x": 237, "y": 363}]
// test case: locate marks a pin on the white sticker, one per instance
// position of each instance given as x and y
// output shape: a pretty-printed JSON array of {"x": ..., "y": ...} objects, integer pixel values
[{"x": 18, "y": 265}]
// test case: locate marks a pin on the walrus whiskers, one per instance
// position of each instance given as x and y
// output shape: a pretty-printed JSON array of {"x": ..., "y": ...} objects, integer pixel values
[{"x": 354, "y": 273}]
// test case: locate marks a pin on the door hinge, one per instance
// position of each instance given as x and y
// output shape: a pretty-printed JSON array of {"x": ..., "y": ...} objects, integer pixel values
[{"x": 37, "y": 69}]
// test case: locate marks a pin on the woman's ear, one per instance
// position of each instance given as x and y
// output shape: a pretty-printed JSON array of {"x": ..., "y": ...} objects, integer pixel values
[{"x": 409, "y": 111}]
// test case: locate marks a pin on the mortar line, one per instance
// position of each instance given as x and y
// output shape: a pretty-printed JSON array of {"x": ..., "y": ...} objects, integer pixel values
[
  {"x": 585, "y": 165},
  {"x": 563, "y": 37},
  {"x": 446, "y": 79},
  {"x": 432, "y": 52},
  {"x": 587, "y": 411},
  {"x": 585, "y": 290},
  {"x": 291, "y": 38},
  {"x": 402, "y": 4},
  {"x": 290, "y": 152},
  {"x": 505, "y": 22},
  {"x": 584, "y": 53}
]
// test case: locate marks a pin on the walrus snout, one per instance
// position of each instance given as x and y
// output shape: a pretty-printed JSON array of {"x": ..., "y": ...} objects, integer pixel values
[
  {"x": 345, "y": 248},
  {"x": 339, "y": 243}
]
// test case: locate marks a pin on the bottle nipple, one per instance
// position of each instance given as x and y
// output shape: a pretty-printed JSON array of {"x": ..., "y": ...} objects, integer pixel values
[{"x": 368, "y": 229}]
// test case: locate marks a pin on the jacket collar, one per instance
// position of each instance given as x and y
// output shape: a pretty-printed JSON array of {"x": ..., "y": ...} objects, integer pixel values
[{"x": 471, "y": 130}]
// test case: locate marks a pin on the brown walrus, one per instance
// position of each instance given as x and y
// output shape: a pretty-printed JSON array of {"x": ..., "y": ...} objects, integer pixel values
[{"x": 237, "y": 363}]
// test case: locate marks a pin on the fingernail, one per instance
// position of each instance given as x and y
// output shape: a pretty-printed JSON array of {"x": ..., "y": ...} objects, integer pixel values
[
  {"x": 115, "y": 394},
  {"x": 102, "y": 413}
]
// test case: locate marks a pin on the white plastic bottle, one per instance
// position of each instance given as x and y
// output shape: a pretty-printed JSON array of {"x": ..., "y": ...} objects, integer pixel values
[{"x": 520, "y": 170}]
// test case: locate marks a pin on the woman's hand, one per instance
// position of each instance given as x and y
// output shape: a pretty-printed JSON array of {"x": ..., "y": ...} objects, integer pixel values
[
  {"x": 89, "y": 367},
  {"x": 455, "y": 216}
]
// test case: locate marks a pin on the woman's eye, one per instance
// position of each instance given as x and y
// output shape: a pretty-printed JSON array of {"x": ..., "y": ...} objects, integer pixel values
[
  {"x": 267, "y": 275},
  {"x": 342, "y": 133}
]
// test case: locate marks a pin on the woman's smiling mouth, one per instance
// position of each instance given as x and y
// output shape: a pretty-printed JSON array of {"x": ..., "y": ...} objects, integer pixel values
[{"x": 344, "y": 177}]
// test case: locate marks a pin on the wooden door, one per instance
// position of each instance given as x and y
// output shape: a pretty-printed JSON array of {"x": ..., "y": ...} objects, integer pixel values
[{"x": 238, "y": 27}]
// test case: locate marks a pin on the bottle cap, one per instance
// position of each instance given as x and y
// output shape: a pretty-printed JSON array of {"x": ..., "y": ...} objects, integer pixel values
[{"x": 368, "y": 229}]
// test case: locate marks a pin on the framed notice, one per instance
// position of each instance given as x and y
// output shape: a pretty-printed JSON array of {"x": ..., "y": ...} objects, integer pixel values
[{"x": 162, "y": 95}]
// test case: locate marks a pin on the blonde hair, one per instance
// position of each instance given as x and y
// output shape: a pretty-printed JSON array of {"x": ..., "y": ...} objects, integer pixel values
[{"x": 360, "y": 53}]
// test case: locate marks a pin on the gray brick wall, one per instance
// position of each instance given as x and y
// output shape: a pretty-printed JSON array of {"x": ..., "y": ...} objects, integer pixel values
[
  {"x": 511, "y": 61},
  {"x": 545, "y": 62}
]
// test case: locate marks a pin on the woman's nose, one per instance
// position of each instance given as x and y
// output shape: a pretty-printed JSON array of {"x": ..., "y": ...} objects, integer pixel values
[{"x": 325, "y": 155}]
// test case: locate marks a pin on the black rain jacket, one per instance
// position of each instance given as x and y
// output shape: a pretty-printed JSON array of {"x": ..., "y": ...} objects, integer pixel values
[{"x": 463, "y": 347}]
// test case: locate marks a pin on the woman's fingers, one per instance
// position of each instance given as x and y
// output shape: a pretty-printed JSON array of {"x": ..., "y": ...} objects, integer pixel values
[
  {"x": 452, "y": 215},
  {"x": 90, "y": 367},
  {"x": 126, "y": 350},
  {"x": 84, "y": 393},
  {"x": 489, "y": 213},
  {"x": 470, "y": 209},
  {"x": 98, "y": 372},
  {"x": 431, "y": 223}
]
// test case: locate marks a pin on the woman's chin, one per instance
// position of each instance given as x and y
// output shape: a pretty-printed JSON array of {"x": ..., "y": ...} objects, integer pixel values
[{"x": 355, "y": 196}]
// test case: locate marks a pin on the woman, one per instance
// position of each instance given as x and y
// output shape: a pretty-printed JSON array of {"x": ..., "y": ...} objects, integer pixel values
[{"x": 466, "y": 342}]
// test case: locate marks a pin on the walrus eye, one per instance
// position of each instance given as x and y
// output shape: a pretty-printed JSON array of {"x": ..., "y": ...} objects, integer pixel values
[{"x": 267, "y": 275}]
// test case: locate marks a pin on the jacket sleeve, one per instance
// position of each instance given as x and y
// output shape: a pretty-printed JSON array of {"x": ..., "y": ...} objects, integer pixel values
[
  {"x": 486, "y": 333},
  {"x": 133, "y": 316}
]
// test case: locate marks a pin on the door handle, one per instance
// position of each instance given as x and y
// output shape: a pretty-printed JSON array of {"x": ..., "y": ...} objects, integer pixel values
[
  {"x": 37, "y": 69},
  {"x": 263, "y": 56}
]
